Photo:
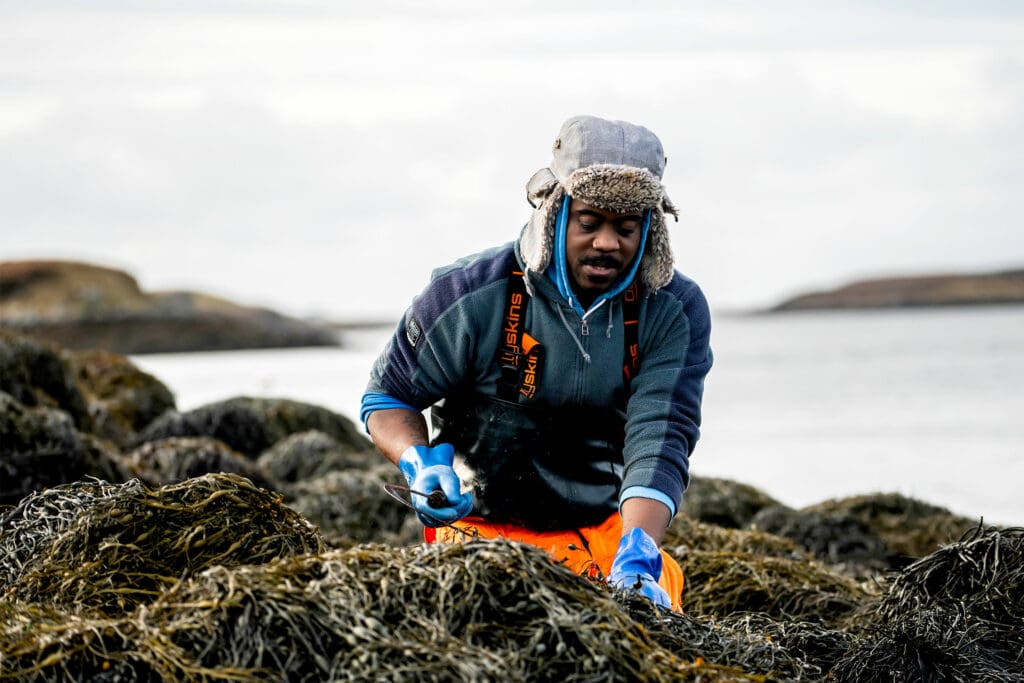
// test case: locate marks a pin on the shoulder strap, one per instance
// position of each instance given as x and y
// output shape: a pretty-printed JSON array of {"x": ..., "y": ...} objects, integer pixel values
[
  {"x": 510, "y": 351},
  {"x": 631, "y": 333},
  {"x": 519, "y": 367}
]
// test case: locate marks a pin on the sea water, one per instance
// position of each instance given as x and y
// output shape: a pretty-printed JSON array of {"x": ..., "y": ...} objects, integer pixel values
[{"x": 805, "y": 406}]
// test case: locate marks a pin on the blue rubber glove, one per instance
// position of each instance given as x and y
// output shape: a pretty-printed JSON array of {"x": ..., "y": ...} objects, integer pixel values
[
  {"x": 429, "y": 469},
  {"x": 637, "y": 566}
]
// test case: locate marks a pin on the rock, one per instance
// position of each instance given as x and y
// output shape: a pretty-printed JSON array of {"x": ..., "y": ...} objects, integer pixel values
[
  {"x": 723, "y": 502},
  {"x": 35, "y": 374},
  {"x": 685, "y": 534},
  {"x": 287, "y": 417},
  {"x": 866, "y": 534},
  {"x": 252, "y": 425},
  {"x": 311, "y": 454},
  {"x": 42, "y": 448},
  {"x": 835, "y": 539},
  {"x": 105, "y": 394},
  {"x": 122, "y": 399},
  {"x": 910, "y": 528},
  {"x": 238, "y": 425},
  {"x": 169, "y": 461},
  {"x": 351, "y": 506}
]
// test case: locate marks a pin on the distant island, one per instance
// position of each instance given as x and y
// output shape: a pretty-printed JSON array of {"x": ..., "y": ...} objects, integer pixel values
[
  {"x": 86, "y": 306},
  {"x": 1006, "y": 287}
]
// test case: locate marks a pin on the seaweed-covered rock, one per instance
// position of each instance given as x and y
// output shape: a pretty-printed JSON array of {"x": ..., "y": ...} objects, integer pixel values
[
  {"x": 482, "y": 611},
  {"x": 868, "y": 534},
  {"x": 723, "y": 502},
  {"x": 124, "y": 546},
  {"x": 983, "y": 572},
  {"x": 40, "y": 447},
  {"x": 955, "y": 615},
  {"x": 238, "y": 425},
  {"x": 38, "y": 519},
  {"x": 121, "y": 398},
  {"x": 685, "y": 533},
  {"x": 35, "y": 375},
  {"x": 837, "y": 539},
  {"x": 169, "y": 461},
  {"x": 812, "y": 648},
  {"x": 252, "y": 425},
  {"x": 351, "y": 506},
  {"x": 727, "y": 583},
  {"x": 45, "y": 643},
  {"x": 910, "y": 528},
  {"x": 311, "y": 454}
]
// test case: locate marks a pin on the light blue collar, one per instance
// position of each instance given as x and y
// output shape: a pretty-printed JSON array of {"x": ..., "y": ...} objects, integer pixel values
[{"x": 561, "y": 270}]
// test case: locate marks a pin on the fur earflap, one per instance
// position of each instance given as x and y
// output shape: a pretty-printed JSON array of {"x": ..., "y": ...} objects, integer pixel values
[{"x": 537, "y": 241}]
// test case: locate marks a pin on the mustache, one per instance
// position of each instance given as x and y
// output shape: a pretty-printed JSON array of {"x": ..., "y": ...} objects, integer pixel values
[{"x": 601, "y": 261}]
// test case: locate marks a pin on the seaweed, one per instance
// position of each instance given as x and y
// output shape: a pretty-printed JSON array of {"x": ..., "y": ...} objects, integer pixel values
[
  {"x": 723, "y": 583},
  {"x": 121, "y": 546},
  {"x": 955, "y": 615}
]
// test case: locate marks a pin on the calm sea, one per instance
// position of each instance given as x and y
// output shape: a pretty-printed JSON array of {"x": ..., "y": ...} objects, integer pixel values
[{"x": 805, "y": 406}]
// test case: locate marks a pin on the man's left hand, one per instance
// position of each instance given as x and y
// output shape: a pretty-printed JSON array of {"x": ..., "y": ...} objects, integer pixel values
[{"x": 637, "y": 566}]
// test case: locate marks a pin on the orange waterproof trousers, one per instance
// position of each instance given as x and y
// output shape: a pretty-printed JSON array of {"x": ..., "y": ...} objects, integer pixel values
[{"x": 581, "y": 550}]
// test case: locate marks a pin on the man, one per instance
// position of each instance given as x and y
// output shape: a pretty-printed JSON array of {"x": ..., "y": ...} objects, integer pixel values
[{"x": 566, "y": 371}]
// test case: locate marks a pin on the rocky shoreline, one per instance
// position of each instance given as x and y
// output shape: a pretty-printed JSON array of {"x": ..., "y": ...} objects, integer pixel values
[
  {"x": 1006, "y": 287},
  {"x": 85, "y": 306},
  {"x": 252, "y": 538}
]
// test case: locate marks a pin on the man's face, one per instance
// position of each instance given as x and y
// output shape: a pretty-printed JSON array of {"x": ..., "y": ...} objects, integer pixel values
[{"x": 599, "y": 247}]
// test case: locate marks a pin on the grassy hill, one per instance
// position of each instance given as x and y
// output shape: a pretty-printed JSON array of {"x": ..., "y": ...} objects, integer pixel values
[
  {"x": 87, "y": 306},
  {"x": 929, "y": 290}
]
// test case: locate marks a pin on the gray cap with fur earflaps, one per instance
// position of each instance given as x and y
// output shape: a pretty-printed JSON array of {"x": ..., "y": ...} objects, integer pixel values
[{"x": 613, "y": 165}]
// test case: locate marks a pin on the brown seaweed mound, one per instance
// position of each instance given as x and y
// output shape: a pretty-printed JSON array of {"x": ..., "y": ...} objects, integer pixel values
[
  {"x": 727, "y": 583},
  {"x": 685, "y": 534},
  {"x": 723, "y": 502},
  {"x": 481, "y": 611},
  {"x": 956, "y": 615},
  {"x": 910, "y": 528},
  {"x": 117, "y": 547},
  {"x": 41, "y": 447},
  {"x": 122, "y": 399},
  {"x": 169, "y": 461},
  {"x": 352, "y": 507},
  {"x": 310, "y": 454},
  {"x": 251, "y": 425}
]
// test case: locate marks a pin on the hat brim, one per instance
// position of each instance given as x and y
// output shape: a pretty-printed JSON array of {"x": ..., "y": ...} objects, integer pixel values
[{"x": 622, "y": 189}]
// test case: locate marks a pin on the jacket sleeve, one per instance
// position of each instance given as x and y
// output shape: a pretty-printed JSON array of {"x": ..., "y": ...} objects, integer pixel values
[
  {"x": 664, "y": 411},
  {"x": 434, "y": 348},
  {"x": 425, "y": 357}
]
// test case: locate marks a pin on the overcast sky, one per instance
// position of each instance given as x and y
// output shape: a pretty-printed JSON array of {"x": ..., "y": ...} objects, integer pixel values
[{"x": 323, "y": 157}]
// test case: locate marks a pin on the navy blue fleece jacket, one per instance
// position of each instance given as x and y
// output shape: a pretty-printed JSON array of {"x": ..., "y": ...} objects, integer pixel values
[{"x": 446, "y": 343}]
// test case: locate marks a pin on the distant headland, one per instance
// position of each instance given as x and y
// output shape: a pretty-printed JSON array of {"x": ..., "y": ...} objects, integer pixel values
[
  {"x": 87, "y": 306},
  {"x": 1004, "y": 287}
]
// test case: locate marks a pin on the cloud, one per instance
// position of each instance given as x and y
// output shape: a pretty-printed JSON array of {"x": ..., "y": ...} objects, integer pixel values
[{"x": 320, "y": 157}]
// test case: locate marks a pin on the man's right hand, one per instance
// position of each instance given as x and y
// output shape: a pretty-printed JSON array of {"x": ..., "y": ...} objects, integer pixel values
[{"x": 430, "y": 469}]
